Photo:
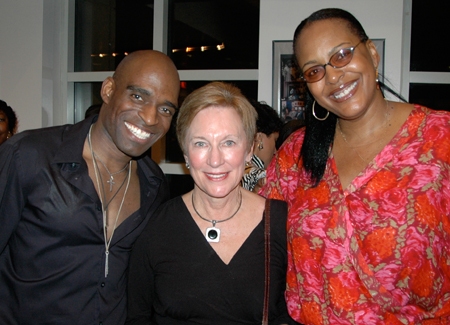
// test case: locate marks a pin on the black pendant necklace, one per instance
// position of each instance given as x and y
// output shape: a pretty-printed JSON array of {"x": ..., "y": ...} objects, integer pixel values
[{"x": 212, "y": 234}]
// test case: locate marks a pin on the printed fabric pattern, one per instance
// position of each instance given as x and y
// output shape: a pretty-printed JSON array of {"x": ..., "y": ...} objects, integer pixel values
[
  {"x": 253, "y": 173},
  {"x": 376, "y": 252}
]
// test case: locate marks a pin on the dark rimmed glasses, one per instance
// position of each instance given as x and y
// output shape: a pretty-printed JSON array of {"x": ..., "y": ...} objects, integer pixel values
[{"x": 338, "y": 60}]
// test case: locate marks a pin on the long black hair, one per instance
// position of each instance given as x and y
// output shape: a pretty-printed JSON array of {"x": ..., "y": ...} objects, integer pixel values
[{"x": 319, "y": 135}]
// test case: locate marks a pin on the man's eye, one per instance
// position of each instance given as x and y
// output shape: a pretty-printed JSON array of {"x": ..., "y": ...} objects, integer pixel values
[
  {"x": 136, "y": 96},
  {"x": 167, "y": 111}
]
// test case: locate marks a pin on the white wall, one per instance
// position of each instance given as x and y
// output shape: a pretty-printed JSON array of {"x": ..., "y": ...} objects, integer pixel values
[
  {"x": 21, "y": 26},
  {"x": 380, "y": 19}
]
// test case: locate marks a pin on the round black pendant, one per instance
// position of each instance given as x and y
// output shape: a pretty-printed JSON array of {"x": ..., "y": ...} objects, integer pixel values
[{"x": 212, "y": 234}]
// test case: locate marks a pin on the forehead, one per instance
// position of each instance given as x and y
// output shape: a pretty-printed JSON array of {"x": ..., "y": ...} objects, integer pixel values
[
  {"x": 219, "y": 119},
  {"x": 321, "y": 36},
  {"x": 152, "y": 75}
]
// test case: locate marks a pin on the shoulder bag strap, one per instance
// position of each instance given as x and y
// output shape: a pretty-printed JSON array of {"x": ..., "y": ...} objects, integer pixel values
[{"x": 265, "y": 320}]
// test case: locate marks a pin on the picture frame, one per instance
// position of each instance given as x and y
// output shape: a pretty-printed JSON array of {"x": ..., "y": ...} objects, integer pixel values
[
  {"x": 380, "y": 45},
  {"x": 288, "y": 89}
]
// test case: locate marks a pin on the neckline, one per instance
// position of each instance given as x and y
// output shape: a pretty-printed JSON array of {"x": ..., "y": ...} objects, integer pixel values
[
  {"x": 381, "y": 159},
  {"x": 200, "y": 237}
]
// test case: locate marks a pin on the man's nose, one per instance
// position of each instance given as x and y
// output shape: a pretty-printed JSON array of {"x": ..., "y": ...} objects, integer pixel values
[{"x": 149, "y": 114}]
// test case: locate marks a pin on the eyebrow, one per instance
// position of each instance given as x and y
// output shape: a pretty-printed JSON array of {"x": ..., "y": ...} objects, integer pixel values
[
  {"x": 330, "y": 53},
  {"x": 140, "y": 90},
  {"x": 148, "y": 93}
]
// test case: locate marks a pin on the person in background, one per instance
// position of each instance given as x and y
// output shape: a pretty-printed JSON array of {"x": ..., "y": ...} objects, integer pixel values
[
  {"x": 268, "y": 124},
  {"x": 200, "y": 260},
  {"x": 287, "y": 129},
  {"x": 74, "y": 198},
  {"x": 367, "y": 183},
  {"x": 8, "y": 122}
]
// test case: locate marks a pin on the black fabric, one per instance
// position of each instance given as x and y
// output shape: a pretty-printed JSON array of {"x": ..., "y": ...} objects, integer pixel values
[
  {"x": 51, "y": 238},
  {"x": 176, "y": 277}
]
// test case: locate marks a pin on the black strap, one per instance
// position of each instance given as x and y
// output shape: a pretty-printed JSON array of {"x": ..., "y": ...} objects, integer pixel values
[{"x": 265, "y": 320}]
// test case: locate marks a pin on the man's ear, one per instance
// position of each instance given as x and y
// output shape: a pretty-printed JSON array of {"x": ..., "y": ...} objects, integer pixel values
[{"x": 107, "y": 89}]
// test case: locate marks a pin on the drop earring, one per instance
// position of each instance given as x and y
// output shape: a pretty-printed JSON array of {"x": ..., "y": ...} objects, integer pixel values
[
  {"x": 260, "y": 145},
  {"x": 187, "y": 165},
  {"x": 377, "y": 80}
]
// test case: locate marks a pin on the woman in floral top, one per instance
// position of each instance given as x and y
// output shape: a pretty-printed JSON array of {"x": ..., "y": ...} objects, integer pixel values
[{"x": 368, "y": 189}]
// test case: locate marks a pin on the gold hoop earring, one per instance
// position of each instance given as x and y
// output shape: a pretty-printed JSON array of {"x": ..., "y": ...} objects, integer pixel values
[{"x": 314, "y": 113}]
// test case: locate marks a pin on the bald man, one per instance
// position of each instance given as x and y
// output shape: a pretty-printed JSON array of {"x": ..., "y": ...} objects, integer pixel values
[{"x": 74, "y": 198}]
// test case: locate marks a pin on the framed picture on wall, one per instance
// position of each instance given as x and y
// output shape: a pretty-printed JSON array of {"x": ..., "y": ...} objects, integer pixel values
[{"x": 288, "y": 89}]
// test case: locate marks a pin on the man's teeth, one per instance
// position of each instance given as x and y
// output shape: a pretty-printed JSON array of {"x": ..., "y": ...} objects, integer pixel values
[
  {"x": 137, "y": 132},
  {"x": 345, "y": 92}
]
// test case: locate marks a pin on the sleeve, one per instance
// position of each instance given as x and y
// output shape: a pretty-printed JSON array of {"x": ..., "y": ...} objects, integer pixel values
[
  {"x": 292, "y": 296},
  {"x": 140, "y": 284},
  {"x": 11, "y": 194},
  {"x": 271, "y": 188}
]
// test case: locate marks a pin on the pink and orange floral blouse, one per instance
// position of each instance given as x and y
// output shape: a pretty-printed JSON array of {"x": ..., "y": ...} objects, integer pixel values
[{"x": 376, "y": 252}]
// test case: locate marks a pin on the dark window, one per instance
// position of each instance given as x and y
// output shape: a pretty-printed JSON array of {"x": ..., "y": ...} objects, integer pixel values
[
  {"x": 198, "y": 27},
  {"x": 431, "y": 95},
  {"x": 86, "y": 94},
  {"x": 105, "y": 30},
  {"x": 430, "y": 28}
]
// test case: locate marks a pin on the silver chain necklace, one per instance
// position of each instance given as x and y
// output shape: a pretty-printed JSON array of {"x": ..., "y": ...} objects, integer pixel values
[
  {"x": 104, "y": 210},
  {"x": 111, "y": 175},
  {"x": 212, "y": 234}
]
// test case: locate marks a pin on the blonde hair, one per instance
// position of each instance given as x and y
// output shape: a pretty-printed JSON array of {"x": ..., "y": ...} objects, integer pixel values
[{"x": 219, "y": 94}]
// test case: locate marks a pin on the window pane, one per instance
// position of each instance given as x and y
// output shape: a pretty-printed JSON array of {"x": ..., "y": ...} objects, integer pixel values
[
  {"x": 434, "y": 96},
  {"x": 195, "y": 24},
  {"x": 173, "y": 151},
  {"x": 429, "y": 42},
  {"x": 86, "y": 94},
  {"x": 105, "y": 30}
]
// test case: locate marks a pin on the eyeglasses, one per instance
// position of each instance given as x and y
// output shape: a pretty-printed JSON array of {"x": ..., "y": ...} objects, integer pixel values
[{"x": 338, "y": 60}]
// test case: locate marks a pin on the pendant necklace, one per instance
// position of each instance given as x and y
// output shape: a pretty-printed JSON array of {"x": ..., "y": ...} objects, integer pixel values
[
  {"x": 104, "y": 209},
  {"x": 111, "y": 175},
  {"x": 212, "y": 234}
]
